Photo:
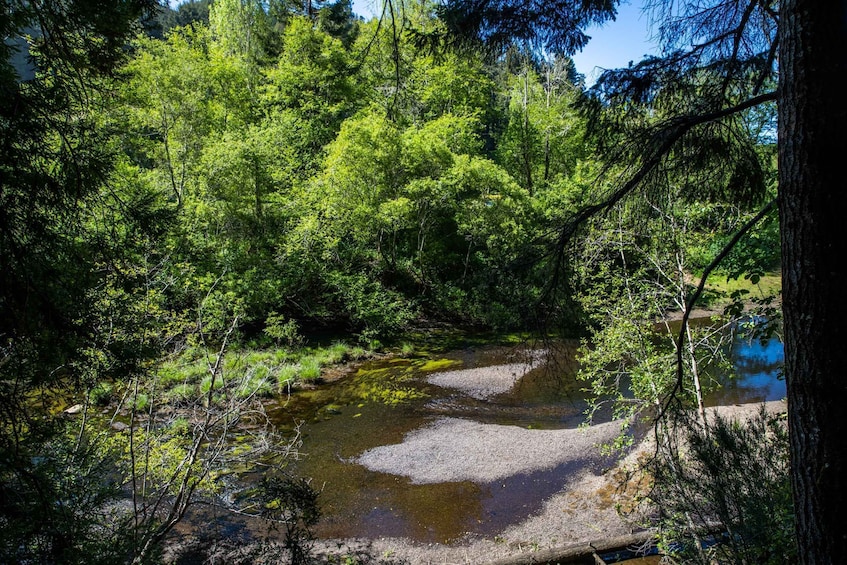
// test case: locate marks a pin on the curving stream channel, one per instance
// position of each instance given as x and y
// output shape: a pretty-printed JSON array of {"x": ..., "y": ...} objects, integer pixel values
[{"x": 435, "y": 447}]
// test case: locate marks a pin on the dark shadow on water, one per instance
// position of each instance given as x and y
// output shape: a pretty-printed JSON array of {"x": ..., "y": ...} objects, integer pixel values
[{"x": 447, "y": 512}]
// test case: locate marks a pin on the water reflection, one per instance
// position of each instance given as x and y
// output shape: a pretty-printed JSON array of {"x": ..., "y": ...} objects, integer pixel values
[{"x": 758, "y": 378}]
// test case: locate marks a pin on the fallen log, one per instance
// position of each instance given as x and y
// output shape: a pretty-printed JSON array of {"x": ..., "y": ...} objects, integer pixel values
[{"x": 587, "y": 553}]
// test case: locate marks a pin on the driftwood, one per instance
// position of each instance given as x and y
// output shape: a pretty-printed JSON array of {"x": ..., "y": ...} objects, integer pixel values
[{"x": 581, "y": 554}]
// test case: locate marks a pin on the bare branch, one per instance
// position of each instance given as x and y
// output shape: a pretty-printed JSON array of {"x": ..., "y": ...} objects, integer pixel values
[{"x": 743, "y": 231}]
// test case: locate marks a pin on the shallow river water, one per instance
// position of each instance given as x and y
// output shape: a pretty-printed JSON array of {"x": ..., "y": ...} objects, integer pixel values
[{"x": 380, "y": 402}]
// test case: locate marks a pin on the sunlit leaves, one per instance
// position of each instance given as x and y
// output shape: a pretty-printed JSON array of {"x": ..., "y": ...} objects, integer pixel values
[
  {"x": 313, "y": 76},
  {"x": 542, "y": 139}
]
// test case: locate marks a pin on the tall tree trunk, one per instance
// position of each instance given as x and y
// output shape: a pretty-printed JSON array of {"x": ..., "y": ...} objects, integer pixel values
[{"x": 812, "y": 134}]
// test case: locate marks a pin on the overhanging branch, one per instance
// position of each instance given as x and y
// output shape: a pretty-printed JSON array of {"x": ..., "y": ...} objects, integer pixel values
[
  {"x": 692, "y": 300},
  {"x": 675, "y": 130}
]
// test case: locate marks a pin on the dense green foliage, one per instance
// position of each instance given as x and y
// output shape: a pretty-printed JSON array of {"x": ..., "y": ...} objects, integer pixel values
[
  {"x": 336, "y": 176},
  {"x": 354, "y": 183}
]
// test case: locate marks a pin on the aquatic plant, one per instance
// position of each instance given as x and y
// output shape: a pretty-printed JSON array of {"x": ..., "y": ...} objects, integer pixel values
[{"x": 439, "y": 364}]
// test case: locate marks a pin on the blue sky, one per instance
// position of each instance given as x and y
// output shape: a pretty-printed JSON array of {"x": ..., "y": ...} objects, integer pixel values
[
  {"x": 617, "y": 43},
  {"x": 612, "y": 45}
]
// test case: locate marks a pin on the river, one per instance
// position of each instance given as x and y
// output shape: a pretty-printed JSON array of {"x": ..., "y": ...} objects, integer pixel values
[{"x": 381, "y": 402}]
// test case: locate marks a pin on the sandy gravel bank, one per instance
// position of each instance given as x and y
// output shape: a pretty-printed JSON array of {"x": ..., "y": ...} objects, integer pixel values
[
  {"x": 453, "y": 449},
  {"x": 484, "y": 382}
]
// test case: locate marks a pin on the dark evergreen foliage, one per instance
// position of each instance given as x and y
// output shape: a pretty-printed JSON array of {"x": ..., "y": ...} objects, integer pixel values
[{"x": 557, "y": 27}]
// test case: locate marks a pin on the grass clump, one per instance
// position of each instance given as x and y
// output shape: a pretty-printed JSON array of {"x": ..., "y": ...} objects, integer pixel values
[
  {"x": 250, "y": 387},
  {"x": 182, "y": 370},
  {"x": 248, "y": 372},
  {"x": 206, "y": 384},
  {"x": 358, "y": 353},
  {"x": 181, "y": 393},
  {"x": 141, "y": 402},
  {"x": 338, "y": 352},
  {"x": 310, "y": 368},
  {"x": 286, "y": 375}
]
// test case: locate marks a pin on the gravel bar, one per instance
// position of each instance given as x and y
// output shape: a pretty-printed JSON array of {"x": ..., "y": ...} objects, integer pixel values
[
  {"x": 454, "y": 449},
  {"x": 484, "y": 382}
]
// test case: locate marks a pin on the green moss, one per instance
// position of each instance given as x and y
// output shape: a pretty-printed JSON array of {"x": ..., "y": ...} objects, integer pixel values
[
  {"x": 439, "y": 364},
  {"x": 242, "y": 449},
  {"x": 388, "y": 393},
  {"x": 331, "y": 409},
  {"x": 386, "y": 386},
  {"x": 372, "y": 372}
]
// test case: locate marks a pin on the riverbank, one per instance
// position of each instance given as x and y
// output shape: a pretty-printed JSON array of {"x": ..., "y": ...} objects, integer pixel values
[{"x": 455, "y": 445}]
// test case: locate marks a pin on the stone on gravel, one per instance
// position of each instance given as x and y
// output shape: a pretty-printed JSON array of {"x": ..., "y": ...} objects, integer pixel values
[{"x": 75, "y": 409}]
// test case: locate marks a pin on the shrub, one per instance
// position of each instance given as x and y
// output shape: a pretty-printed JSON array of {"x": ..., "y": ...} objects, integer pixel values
[
  {"x": 734, "y": 474},
  {"x": 101, "y": 394},
  {"x": 282, "y": 331}
]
